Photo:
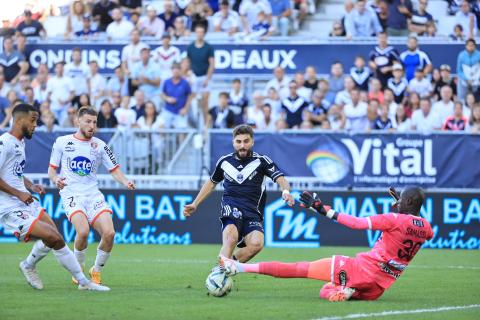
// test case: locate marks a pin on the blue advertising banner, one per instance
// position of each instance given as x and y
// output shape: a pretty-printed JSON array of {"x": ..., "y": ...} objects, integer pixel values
[
  {"x": 369, "y": 160},
  {"x": 241, "y": 58},
  {"x": 155, "y": 217}
]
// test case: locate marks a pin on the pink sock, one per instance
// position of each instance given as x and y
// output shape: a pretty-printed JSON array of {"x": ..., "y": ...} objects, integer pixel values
[
  {"x": 284, "y": 270},
  {"x": 250, "y": 267}
]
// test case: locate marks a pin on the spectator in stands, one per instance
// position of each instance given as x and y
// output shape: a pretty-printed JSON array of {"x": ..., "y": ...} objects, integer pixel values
[
  {"x": 165, "y": 56},
  {"x": 336, "y": 118},
  {"x": 61, "y": 91},
  {"x": 414, "y": 59},
  {"x": 273, "y": 99},
  {"x": 39, "y": 84},
  {"x": 30, "y": 97},
  {"x": 255, "y": 113},
  {"x": 168, "y": 16},
  {"x": 82, "y": 101},
  {"x": 467, "y": 20},
  {"x": 150, "y": 120},
  {"x": 12, "y": 62},
  {"x": 198, "y": 12},
  {"x": 293, "y": 106},
  {"x": 139, "y": 103},
  {"x": 44, "y": 107},
  {"x": 106, "y": 119},
  {"x": 382, "y": 58},
  {"x": 375, "y": 91},
  {"x": 373, "y": 107},
  {"x": 343, "y": 97},
  {"x": 48, "y": 120},
  {"x": 362, "y": 22},
  {"x": 86, "y": 32},
  {"x": 474, "y": 122},
  {"x": 336, "y": 77},
  {"x": 356, "y": 113},
  {"x": 420, "y": 19},
  {"x": 304, "y": 92},
  {"x": 476, "y": 11},
  {"x": 280, "y": 83},
  {"x": 401, "y": 122},
  {"x": 101, "y": 13},
  {"x": 30, "y": 27},
  {"x": 317, "y": 110},
  {"x": 423, "y": 119},
  {"x": 348, "y": 7},
  {"x": 360, "y": 73},
  {"x": 260, "y": 30},
  {"x": 399, "y": 11},
  {"x": 383, "y": 122},
  {"x": 97, "y": 83},
  {"x": 177, "y": 95},
  {"x": 238, "y": 101},
  {"x": 131, "y": 55},
  {"x": 126, "y": 117},
  {"x": 151, "y": 25},
  {"x": 269, "y": 117},
  {"x": 226, "y": 20},
  {"x": 457, "y": 121},
  {"x": 311, "y": 80},
  {"x": 79, "y": 73},
  {"x": 71, "y": 119},
  {"x": 4, "y": 87},
  {"x": 118, "y": 83},
  {"x": 75, "y": 18},
  {"x": 444, "y": 108},
  {"x": 202, "y": 61},
  {"x": 249, "y": 10},
  {"x": 22, "y": 85},
  {"x": 389, "y": 101},
  {"x": 398, "y": 83},
  {"x": 445, "y": 79},
  {"x": 221, "y": 116},
  {"x": 324, "y": 86},
  {"x": 146, "y": 75},
  {"x": 337, "y": 30},
  {"x": 131, "y": 6},
  {"x": 4, "y": 105},
  {"x": 470, "y": 102},
  {"x": 120, "y": 27},
  {"x": 458, "y": 34},
  {"x": 7, "y": 29},
  {"x": 468, "y": 69},
  {"x": 281, "y": 12},
  {"x": 420, "y": 84},
  {"x": 179, "y": 31},
  {"x": 412, "y": 103}
]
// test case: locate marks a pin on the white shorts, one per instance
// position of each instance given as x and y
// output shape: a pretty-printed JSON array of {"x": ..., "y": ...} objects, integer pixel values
[
  {"x": 22, "y": 219},
  {"x": 172, "y": 120},
  {"x": 91, "y": 206},
  {"x": 197, "y": 85}
]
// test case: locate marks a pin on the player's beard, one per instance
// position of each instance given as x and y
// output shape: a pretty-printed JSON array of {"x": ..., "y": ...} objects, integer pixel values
[
  {"x": 27, "y": 133},
  {"x": 88, "y": 134},
  {"x": 247, "y": 153}
]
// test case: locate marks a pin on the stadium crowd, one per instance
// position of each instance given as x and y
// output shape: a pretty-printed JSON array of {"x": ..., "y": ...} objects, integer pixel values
[{"x": 153, "y": 89}]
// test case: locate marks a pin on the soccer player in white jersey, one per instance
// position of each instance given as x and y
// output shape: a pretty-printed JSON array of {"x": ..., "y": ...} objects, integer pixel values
[
  {"x": 165, "y": 56},
  {"x": 21, "y": 213},
  {"x": 80, "y": 156}
]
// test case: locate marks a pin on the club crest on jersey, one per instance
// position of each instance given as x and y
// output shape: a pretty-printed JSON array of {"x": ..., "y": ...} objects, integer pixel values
[
  {"x": 18, "y": 168},
  {"x": 94, "y": 145},
  {"x": 239, "y": 177},
  {"x": 80, "y": 165}
]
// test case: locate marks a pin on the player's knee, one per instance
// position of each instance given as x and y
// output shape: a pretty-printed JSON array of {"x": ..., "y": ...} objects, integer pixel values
[
  {"x": 108, "y": 235},
  {"x": 54, "y": 240},
  {"x": 255, "y": 246},
  {"x": 82, "y": 234}
]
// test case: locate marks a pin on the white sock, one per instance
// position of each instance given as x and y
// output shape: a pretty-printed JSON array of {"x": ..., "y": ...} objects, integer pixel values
[
  {"x": 81, "y": 256},
  {"x": 39, "y": 251},
  {"x": 67, "y": 259},
  {"x": 101, "y": 259}
]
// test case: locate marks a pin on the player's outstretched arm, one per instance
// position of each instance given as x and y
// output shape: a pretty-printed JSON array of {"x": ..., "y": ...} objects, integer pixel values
[
  {"x": 120, "y": 177},
  {"x": 25, "y": 197},
  {"x": 59, "y": 182},
  {"x": 285, "y": 187},
  {"x": 207, "y": 188}
]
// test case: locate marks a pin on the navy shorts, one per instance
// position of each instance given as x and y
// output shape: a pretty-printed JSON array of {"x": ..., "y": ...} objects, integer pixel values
[{"x": 245, "y": 222}]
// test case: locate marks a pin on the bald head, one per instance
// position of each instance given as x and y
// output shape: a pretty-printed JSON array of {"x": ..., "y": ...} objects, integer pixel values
[{"x": 411, "y": 200}]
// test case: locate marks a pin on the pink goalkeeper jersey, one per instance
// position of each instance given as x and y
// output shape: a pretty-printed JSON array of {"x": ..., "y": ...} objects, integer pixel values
[{"x": 402, "y": 237}]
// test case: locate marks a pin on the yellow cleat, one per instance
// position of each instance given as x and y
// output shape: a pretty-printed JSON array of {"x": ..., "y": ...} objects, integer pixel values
[{"x": 95, "y": 276}]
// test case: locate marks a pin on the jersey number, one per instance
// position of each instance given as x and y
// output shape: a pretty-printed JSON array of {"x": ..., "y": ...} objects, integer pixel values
[
  {"x": 71, "y": 204},
  {"x": 409, "y": 250}
]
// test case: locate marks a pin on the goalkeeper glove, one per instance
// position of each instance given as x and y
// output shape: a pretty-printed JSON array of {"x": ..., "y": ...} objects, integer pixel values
[{"x": 308, "y": 200}]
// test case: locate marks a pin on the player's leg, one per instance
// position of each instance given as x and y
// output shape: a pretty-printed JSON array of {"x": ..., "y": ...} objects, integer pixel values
[
  {"x": 103, "y": 224},
  {"x": 82, "y": 228},
  {"x": 40, "y": 249},
  {"x": 229, "y": 238},
  {"x": 253, "y": 245}
]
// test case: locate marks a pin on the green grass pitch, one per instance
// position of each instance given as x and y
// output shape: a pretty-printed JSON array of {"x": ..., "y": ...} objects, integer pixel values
[{"x": 167, "y": 282}]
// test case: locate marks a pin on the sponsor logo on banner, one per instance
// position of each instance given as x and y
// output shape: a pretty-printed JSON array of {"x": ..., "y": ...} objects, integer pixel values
[
  {"x": 285, "y": 227},
  {"x": 329, "y": 163}
]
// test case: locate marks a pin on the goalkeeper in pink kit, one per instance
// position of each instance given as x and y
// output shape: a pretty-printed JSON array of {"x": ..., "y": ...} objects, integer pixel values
[{"x": 369, "y": 274}]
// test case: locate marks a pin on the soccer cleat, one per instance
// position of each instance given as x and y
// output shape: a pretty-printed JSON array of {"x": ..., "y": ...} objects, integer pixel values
[
  {"x": 96, "y": 276},
  {"x": 92, "y": 286},
  {"x": 228, "y": 265},
  {"x": 75, "y": 281},
  {"x": 32, "y": 276},
  {"x": 342, "y": 295}
]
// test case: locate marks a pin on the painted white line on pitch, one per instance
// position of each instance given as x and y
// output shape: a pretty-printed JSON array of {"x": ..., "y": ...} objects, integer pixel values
[
  {"x": 399, "y": 312},
  {"x": 444, "y": 267}
]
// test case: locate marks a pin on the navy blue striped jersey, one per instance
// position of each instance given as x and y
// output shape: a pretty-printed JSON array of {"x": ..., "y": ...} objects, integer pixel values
[{"x": 244, "y": 180}]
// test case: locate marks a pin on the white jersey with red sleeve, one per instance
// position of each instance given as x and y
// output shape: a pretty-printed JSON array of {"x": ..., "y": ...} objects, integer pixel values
[
  {"x": 79, "y": 161},
  {"x": 12, "y": 164}
]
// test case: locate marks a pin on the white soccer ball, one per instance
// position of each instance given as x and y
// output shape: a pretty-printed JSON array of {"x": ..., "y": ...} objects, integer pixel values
[{"x": 218, "y": 283}]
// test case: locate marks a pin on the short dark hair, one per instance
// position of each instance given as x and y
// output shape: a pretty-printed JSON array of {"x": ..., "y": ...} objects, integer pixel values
[
  {"x": 87, "y": 110},
  {"x": 243, "y": 129},
  {"x": 471, "y": 40},
  {"x": 23, "y": 108},
  {"x": 237, "y": 80},
  {"x": 223, "y": 94},
  {"x": 76, "y": 49},
  {"x": 426, "y": 99}
]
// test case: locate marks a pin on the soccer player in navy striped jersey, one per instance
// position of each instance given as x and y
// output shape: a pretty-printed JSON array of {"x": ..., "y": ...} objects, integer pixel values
[{"x": 243, "y": 173}]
